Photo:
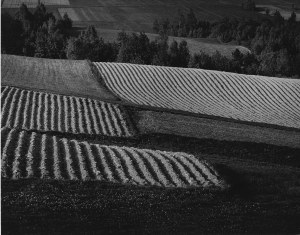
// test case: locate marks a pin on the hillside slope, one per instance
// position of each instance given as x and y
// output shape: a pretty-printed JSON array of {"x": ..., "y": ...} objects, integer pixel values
[
  {"x": 67, "y": 77},
  {"x": 257, "y": 99}
]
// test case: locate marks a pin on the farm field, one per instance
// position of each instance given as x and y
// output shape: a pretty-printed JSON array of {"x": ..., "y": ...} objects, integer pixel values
[
  {"x": 125, "y": 16},
  {"x": 32, "y": 3},
  {"x": 69, "y": 166},
  {"x": 67, "y": 77},
  {"x": 139, "y": 15},
  {"x": 150, "y": 122},
  {"x": 33, "y": 155},
  {"x": 195, "y": 45},
  {"x": 241, "y": 97},
  {"x": 286, "y": 13},
  {"x": 264, "y": 198},
  {"x": 30, "y": 110}
]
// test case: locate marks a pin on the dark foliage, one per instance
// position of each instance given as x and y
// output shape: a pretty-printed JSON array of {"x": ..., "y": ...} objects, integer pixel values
[
  {"x": 275, "y": 44},
  {"x": 36, "y": 34}
]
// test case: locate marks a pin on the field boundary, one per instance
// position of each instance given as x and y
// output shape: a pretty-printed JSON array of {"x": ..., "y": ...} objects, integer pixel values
[
  {"x": 200, "y": 128},
  {"x": 96, "y": 74},
  {"x": 151, "y": 108}
]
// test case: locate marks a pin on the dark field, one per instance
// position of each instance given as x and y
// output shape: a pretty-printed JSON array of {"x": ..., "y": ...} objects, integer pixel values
[{"x": 263, "y": 198}]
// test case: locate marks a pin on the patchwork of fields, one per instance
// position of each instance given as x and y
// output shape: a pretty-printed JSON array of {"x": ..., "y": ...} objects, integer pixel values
[
  {"x": 31, "y": 119},
  {"x": 62, "y": 170},
  {"x": 248, "y": 98},
  {"x": 33, "y": 155},
  {"x": 76, "y": 158},
  {"x": 139, "y": 15}
]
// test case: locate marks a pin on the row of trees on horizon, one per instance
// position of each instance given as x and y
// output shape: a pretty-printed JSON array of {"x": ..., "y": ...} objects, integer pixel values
[{"x": 275, "y": 44}]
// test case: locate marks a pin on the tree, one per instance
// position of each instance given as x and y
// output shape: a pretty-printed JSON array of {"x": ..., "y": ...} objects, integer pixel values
[
  {"x": 11, "y": 35},
  {"x": 200, "y": 60},
  {"x": 160, "y": 48},
  {"x": 292, "y": 19},
  {"x": 278, "y": 19},
  {"x": 174, "y": 54},
  {"x": 40, "y": 14},
  {"x": 64, "y": 24},
  {"x": 90, "y": 34},
  {"x": 134, "y": 46},
  {"x": 25, "y": 17},
  {"x": 184, "y": 54},
  {"x": 74, "y": 49},
  {"x": 191, "y": 21}
]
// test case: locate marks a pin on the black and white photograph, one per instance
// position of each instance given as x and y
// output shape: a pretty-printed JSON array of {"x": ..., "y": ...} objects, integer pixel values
[{"x": 150, "y": 117}]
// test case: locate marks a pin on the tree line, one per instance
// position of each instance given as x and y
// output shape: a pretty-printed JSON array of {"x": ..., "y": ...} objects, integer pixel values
[
  {"x": 275, "y": 43},
  {"x": 40, "y": 34}
]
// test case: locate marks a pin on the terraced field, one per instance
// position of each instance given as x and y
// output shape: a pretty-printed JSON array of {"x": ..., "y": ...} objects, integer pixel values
[
  {"x": 32, "y": 155},
  {"x": 30, "y": 110},
  {"x": 247, "y": 98}
]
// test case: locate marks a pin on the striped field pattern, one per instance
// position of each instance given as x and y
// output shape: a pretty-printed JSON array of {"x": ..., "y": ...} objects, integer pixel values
[
  {"x": 236, "y": 96},
  {"x": 34, "y": 155},
  {"x": 30, "y": 110},
  {"x": 32, "y": 3}
]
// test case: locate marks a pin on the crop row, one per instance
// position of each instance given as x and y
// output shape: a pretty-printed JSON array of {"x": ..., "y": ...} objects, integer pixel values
[
  {"x": 236, "y": 96},
  {"x": 34, "y": 155},
  {"x": 41, "y": 111}
]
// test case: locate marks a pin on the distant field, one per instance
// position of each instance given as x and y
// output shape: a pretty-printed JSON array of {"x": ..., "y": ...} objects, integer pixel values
[
  {"x": 139, "y": 15},
  {"x": 68, "y": 77},
  {"x": 283, "y": 9},
  {"x": 195, "y": 45},
  {"x": 32, "y": 3},
  {"x": 124, "y": 15},
  {"x": 241, "y": 97}
]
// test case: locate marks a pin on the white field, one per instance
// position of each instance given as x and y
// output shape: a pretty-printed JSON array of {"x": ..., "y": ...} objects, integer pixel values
[
  {"x": 32, "y": 155},
  {"x": 32, "y": 3},
  {"x": 30, "y": 110},
  {"x": 236, "y": 96}
]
